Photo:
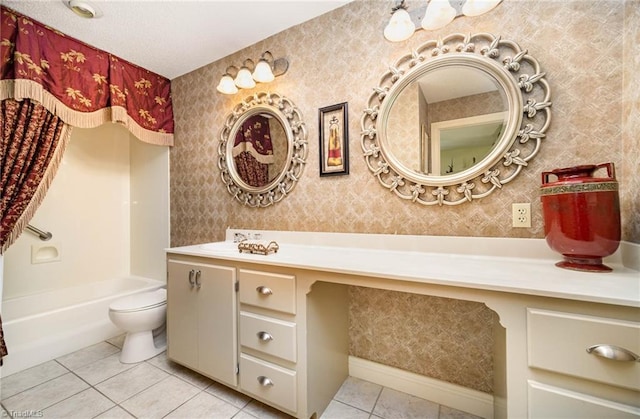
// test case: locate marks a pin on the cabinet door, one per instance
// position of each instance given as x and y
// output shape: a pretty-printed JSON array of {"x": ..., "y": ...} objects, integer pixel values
[
  {"x": 217, "y": 323},
  {"x": 182, "y": 315}
]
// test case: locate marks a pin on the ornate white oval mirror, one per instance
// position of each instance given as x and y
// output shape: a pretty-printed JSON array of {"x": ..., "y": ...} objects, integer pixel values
[
  {"x": 262, "y": 149},
  {"x": 456, "y": 119}
]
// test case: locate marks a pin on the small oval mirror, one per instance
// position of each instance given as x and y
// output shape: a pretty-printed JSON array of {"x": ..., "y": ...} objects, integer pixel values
[{"x": 262, "y": 149}]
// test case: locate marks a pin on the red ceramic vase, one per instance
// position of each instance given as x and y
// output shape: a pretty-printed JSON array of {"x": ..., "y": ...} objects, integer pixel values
[{"x": 581, "y": 215}]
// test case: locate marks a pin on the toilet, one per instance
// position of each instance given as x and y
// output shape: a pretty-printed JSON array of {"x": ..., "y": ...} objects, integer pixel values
[{"x": 143, "y": 317}]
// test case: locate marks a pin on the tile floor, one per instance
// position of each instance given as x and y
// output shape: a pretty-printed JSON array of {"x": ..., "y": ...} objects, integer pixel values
[{"x": 92, "y": 383}]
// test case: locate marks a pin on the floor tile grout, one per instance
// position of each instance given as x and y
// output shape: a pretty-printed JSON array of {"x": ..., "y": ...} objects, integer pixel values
[{"x": 197, "y": 389}]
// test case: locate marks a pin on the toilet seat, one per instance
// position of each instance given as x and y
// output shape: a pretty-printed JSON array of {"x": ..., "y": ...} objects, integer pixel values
[{"x": 140, "y": 302}]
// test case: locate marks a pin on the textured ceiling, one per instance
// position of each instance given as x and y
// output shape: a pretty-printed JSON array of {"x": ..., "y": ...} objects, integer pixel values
[{"x": 174, "y": 37}]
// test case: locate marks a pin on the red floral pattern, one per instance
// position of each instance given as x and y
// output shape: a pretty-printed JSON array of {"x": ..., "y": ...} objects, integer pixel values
[
  {"x": 93, "y": 85},
  {"x": 30, "y": 136},
  {"x": 30, "y": 147},
  {"x": 253, "y": 151}
]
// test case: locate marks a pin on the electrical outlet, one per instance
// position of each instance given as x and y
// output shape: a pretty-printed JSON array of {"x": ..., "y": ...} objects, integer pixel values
[{"x": 521, "y": 215}]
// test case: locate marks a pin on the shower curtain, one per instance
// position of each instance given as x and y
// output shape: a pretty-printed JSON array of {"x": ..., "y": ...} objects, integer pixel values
[{"x": 32, "y": 143}]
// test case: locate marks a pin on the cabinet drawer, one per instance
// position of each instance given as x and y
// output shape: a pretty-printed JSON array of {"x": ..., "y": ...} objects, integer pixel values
[
  {"x": 268, "y": 381},
  {"x": 271, "y": 336},
  {"x": 558, "y": 342},
  {"x": 552, "y": 402},
  {"x": 268, "y": 290}
]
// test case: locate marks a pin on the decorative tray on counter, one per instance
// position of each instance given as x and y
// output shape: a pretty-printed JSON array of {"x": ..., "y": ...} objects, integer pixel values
[{"x": 258, "y": 247}]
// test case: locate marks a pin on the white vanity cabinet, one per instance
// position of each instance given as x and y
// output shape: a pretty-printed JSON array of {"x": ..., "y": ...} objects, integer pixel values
[
  {"x": 201, "y": 317},
  {"x": 267, "y": 331},
  {"x": 286, "y": 328},
  {"x": 586, "y": 357},
  {"x": 255, "y": 329}
]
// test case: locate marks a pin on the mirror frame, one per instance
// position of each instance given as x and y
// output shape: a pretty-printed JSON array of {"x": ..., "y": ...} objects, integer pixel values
[
  {"x": 529, "y": 116},
  {"x": 290, "y": 117}
]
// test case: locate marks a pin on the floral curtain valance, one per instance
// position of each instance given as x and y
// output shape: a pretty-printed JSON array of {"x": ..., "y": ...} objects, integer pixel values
[{"x": 84, "y": 86}]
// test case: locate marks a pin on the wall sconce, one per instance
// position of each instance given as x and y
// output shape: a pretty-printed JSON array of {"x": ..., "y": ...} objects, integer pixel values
[
  {"x": 435, "y": 14},
  {"x": 246, "y": 77}
]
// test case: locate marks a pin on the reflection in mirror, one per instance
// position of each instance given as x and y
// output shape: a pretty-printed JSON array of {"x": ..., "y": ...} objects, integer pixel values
[
  {"x": 447, "y": 120},
  {"x": 456, "y": 119},
  {"x": 262, "y": 149},
  {"x": 456, "y": 145}
]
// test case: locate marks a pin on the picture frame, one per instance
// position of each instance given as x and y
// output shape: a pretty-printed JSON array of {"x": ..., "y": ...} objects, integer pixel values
[{"x": 334, "y": 140}]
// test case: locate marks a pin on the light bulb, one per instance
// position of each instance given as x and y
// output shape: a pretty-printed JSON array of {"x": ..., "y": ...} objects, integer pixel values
[
  {"x": 227, "y": 86},
  {"x": 400, "y": 26},
  {"x": 263, "y": 73},
  {"x": 479, "y": 7},
  {"x": 439, "y": 13},
  {"x": 244, "y": 80}
]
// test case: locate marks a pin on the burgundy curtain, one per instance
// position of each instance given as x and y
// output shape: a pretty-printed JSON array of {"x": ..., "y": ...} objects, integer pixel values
[
  {"x": 253, "y": 151},
  {"x": 83, "y": 85},
  {"x": 31, "y": 145}
]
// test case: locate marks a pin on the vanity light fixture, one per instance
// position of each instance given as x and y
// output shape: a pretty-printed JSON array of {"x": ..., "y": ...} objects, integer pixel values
[
  {"x": 227, "y": 85},
  {"x": 243, "y": 79},
  {"x": 400, "y": 26},
  {"x": 434, "y": 14},
  {"x": 439, "y": 13},
  {"x": 265, "y": 71},
  {"x": 478, "y": 7}
]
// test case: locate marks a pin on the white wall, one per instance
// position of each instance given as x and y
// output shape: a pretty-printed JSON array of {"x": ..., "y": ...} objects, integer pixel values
[
  {"x": 88, "y": 210},
  {"x": 149, "y": 209}
]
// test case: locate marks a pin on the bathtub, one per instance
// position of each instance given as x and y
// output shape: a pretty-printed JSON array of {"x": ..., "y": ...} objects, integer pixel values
[{"x": 47, "y": 325}]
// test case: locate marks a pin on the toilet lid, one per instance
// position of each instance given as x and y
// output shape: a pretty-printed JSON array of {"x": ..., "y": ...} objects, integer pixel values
[{"x": 140, "y": 301}]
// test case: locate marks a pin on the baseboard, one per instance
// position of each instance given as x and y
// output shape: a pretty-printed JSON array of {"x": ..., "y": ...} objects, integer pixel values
[{"x": 441, "y": 392}]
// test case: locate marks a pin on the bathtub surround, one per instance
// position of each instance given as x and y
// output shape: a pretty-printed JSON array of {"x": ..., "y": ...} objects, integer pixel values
[
  {"x": 590, "y": 52},
  {"x": 108, "y": 211}
]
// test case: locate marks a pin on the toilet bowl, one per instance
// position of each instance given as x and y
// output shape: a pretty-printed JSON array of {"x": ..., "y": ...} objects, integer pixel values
[{"x": 140, "y": 315}]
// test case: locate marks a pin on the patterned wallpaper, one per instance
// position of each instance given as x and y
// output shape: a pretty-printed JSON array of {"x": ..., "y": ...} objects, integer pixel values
[
  {"x": 441, "y": 344},
  {"x": 590, "y": 51},
  {"x": 630, "y": 180},
  {"x": 403, "y": 129}
]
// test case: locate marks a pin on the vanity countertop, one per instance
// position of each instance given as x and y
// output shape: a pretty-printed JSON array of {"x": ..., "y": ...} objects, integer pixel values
[{"x": 492, "y": 264}]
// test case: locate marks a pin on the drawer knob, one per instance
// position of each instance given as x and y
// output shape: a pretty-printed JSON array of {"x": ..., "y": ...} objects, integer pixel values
[
  {"x": 264, "y": 336},
  {"x": 265, "y": 381},
  {"x": 613, "y": 352},
  {"x": 264, "y": 290}
]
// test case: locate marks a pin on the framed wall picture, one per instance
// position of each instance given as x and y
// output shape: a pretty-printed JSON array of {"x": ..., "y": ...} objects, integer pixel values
[{"x": 334, "y": 140}]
